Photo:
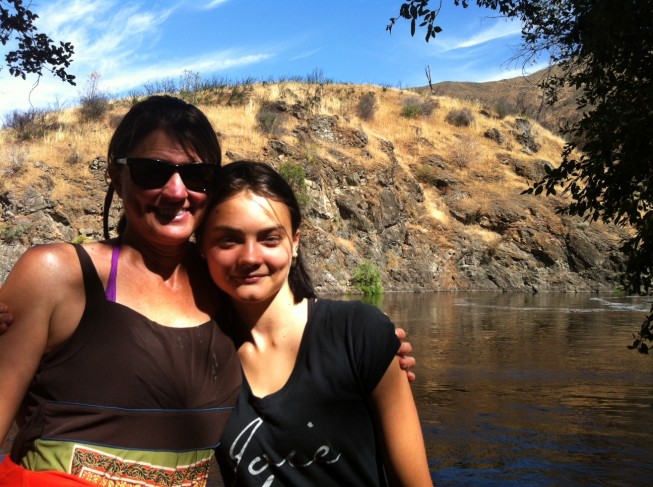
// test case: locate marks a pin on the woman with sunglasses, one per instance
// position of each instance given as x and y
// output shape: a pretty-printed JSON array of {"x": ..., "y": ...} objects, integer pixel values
[
  {"x": 114, "y": 366},
  {"x": 322, "y": 402}
]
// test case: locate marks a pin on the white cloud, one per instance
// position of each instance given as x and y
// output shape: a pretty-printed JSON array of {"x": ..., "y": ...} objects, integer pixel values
[
  {"x": 118, "y": 41},
  {"x": 504, "y": 74},
  {"x": 213, "y": 4},
  {"x": 500, "y": 29},
  {"x": 304, "y": 55},
  {"x": 174, "y": 69},
  {"x": 108, "y": 33}
]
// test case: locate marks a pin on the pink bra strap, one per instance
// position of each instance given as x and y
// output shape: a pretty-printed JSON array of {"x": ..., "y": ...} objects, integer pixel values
[{"x": 111, "y": 285}]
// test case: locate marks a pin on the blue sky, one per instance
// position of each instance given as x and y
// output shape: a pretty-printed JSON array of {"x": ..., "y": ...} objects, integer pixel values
[{"x": 132, "y": 43}]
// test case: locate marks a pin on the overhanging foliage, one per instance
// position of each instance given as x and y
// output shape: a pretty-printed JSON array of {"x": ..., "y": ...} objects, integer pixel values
[
  {"x": 604, "y": 48},
  {"x": 35, "y": 51}
]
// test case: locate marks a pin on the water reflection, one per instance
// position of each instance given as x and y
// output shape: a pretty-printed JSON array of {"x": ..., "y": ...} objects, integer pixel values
[{"x": 530, "y": 389}]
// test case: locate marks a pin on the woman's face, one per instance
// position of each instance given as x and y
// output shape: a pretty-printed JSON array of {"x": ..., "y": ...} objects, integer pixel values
[
  {"x": 249, "y": 244},
  {"x": 167, "y": 215}
]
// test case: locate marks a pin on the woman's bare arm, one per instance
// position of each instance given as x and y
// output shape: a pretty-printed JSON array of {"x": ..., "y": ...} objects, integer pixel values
[{"x": 36, "y": 286}]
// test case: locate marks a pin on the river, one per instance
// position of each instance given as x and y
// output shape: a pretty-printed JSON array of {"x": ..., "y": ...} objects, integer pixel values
[{"x": 530, "y": 389}]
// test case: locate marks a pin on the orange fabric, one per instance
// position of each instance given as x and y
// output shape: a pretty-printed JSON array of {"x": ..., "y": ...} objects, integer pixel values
[{"x": 12, "y": 475}]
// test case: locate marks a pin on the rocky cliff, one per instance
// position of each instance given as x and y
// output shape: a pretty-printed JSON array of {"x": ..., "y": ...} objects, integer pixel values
[{"x": 433, "y": 203}]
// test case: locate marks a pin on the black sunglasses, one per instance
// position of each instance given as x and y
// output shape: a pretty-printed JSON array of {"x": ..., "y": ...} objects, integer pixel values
[{"x": 153, "y": 173}]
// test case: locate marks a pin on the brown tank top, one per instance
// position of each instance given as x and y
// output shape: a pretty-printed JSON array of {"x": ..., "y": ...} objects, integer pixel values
[{"x": 125, "y": 383}]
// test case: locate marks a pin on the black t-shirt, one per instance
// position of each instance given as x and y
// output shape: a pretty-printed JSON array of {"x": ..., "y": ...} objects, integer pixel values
[{"x": 318, "y": 429}]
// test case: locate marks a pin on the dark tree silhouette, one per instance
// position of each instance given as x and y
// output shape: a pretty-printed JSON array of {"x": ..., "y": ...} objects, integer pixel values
[
  {"x": 603, "y": 48},
  {"x": 35, "y": 51}
]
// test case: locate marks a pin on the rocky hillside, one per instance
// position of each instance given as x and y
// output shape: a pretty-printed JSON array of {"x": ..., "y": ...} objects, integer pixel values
[
  {"x": 425, "y": 187},
  {"x": 521, "y": 95}
]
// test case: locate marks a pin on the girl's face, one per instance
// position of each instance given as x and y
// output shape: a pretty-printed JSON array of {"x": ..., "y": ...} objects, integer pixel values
[
  {"x": 169, "y": 214},
  {"x": 249, "y": 244}
]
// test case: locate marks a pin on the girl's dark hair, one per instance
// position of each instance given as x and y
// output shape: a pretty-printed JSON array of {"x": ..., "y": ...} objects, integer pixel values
[
  {"x": 263, "y": 180},
  {"x": 181, "y": 120}
]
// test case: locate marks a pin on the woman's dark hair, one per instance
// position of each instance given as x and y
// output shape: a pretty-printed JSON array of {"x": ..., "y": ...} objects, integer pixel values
[
  {"x": 263, "y": 180},
  {"x": 182, "y": 121}
]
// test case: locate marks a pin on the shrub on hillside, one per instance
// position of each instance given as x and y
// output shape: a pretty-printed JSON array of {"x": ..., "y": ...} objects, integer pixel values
[
  {"x": 295, "y": 176},
  {"x": 14, "y": 231},
  {"x": 427, "y": 175},
  {"x": 503, "y": 108},
  {"x": 75, "y": 156},
  {"x": 464, "y": 152},
  {"x": 93, "y": 107},
  {"x": 416, "y": 107},
  {"x": 460, "y": 118},
  {"x": 367, "y": 279},
  {"x": 316, "y": 77},
  {"x": 165, "y": 86},
  {"x": 15, "y": 161},
  {"x": 271, "y": 118},
  {"x": 31, "y": 124},
  {"x": 367, "y": 106},
  {"x": 94, "y": 103},
  {"x": 238, "y": 94}
]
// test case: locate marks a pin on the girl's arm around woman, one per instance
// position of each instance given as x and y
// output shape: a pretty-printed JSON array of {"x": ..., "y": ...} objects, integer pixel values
[{"x": 404, "y": 451}]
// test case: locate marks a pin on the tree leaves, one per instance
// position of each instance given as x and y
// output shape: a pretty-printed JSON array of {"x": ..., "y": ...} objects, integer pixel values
[
  {"x": 35, "y": 51},
  {"x": 604, "y": 49},
  {"x": 414, "y": 10}
]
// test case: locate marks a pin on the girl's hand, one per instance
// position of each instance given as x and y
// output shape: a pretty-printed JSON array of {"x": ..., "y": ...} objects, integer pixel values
[
  {"x": 6, "y": 318},
  {"x": 405, "y": 360}
]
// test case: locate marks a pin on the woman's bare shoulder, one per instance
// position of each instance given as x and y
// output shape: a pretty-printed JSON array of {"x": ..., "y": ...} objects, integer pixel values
[
  {"x": 55, "y": 262},
  {"x": 40, "y": 267},
  {"x": 46, "y": 257}
]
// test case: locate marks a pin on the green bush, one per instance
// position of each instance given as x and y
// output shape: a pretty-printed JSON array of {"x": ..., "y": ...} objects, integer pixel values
[
  {"x": 295, "y": 175},
  {"x": 415, "y": 107},
  {"x": 81, "y": 239},
  {"x": 14, "y": 232},
  {"x": 367, "y": 279}
]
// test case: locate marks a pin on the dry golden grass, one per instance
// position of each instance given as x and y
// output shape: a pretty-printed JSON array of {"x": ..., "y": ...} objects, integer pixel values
[
  {"x": 519, "y": 95},
  {"x": 468, "y": 156},
  {"x": 485, "y": 236},
  {"x": 64, "y": 190},
  {"x": 435, "y": 207}
]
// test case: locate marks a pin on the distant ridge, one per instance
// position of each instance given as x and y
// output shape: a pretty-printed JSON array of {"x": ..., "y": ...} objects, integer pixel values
[{"x": 518, "y": 96}]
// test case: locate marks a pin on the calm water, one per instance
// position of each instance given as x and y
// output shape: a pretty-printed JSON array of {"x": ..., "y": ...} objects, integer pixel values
[
  {"x": 540, "y": 390},
  {"x": 519, "y": 389}
]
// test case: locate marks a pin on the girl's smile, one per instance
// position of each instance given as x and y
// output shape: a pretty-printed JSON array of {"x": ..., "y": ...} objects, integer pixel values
[{"x": 249, "y": 246}]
